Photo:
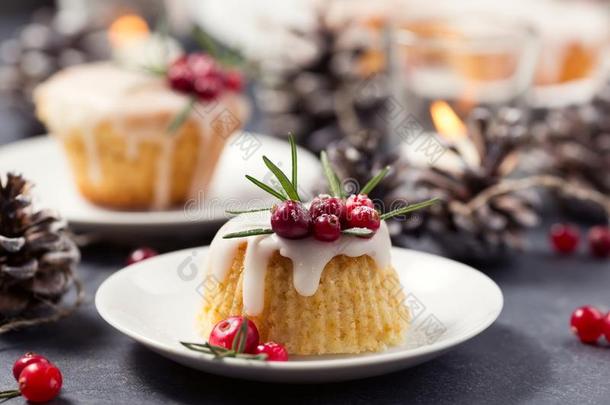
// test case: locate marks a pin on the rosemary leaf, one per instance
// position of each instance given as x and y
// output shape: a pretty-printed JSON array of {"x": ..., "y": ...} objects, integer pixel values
[
  {"x": 293, "y": 153},
  {"x": 333, "y": 180},
  {"x": 372, "y": 183},
  {"x": 286, "y": 184},
  {"x": 182, "y": 116},
  {"x": 409, "y": 208},
  {"x": 239, "y": 343},
  {"x": 249, "y": 232},
  {"x": 357, "y": 232},
  {"x": 266, "y": 188},
  {"x": 237, "y": 212}
]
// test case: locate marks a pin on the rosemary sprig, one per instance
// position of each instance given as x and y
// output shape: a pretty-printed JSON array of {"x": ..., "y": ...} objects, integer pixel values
[
  {"x": 182, "y": 116},
  {"x": 266, "y": 188},
  {"x": 9, "y": 394},
  {"x": 283, "y": 179},
  {"x": 409, "y": 208},
  {"x": 155, "y": 70},
  {"x": 249, "y": 232},
  {"x": 237, "y": 212},
  {"x": 357, "y": 232},
  {"x": 372, "y": 183},
  {"x": 225, "y": 55},
  {"x": 333, "y": 180},
  {"x": 220, "y": 352},
  {"x": 293, "y": 155},
  {"x": 239, "y": 342}
]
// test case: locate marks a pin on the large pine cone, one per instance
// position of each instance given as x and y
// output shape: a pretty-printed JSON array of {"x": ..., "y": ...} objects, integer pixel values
[
  {"x": 37, "y": 256},
  {"x": 490, "y": 231},
  {"x": 576, "y": 141}
]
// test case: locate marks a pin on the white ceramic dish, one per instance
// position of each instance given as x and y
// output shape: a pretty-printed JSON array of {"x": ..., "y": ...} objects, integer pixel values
[
  {"x": 155, "y": 302},
  {"x": 41, "y": 160}
]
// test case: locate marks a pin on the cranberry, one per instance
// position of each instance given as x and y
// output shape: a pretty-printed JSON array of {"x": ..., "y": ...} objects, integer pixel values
[
  {"x": 26, "y": 360},
  {"x": 599, "y": 241},
  {"x": 140, "y": 254},
  {"x": 40, "y": 382},
  {"x": 364, "y": 217},
  {"x": 606, "y": 326},
  {"x": 565, "y": 238},
  {"x": 290, "y": 219},
  {"x": 233, "y": 80},
  {"x": 180, "y": 76},
  {"x": 208, "y": 87},
  {"x": 202, "y": 64},
  {"x": 325, "y": 204},
  {"x": 357, "y": 200},
  {"x": 586, "y": 323},
  {"x": 274, "y": 351},
  {"x": 327, "y": 228},
  {"x": 225, "y": 331}
]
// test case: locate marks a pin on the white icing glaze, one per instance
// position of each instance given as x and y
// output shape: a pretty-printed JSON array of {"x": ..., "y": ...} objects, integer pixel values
[
  {"x": 84, "y": 96},
  {"x": 309, "y": 256}
]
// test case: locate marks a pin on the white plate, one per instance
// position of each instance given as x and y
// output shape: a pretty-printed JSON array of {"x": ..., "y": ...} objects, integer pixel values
[
  {"x": 156, "y": 301},
  {"x": 42, "y": 160}
]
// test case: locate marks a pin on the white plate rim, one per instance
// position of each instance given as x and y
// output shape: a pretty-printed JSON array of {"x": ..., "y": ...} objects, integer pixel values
[
  {"x": 141, "y": 219},
  {"x": 309, "y": 364}
]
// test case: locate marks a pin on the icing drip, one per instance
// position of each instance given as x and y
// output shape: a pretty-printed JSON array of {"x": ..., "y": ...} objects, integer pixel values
[
  {"x": 309, "y": 256},
  {"x": 94, "y": 169},
  {"x": 164, "y": 173}
]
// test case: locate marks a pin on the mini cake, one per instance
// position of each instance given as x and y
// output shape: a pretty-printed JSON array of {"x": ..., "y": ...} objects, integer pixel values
[
  {"x": 317, "y": 280},
  {"x": 136, "y": 140}
]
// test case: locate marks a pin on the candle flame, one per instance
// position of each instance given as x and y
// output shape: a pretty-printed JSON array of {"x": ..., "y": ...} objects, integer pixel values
[
  {"x": 127, "y": 28},
  {"x": 446, "y": 121}
]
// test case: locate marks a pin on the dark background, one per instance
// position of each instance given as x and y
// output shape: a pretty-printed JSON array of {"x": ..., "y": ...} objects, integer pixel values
[{"x": 527, "y": 356}]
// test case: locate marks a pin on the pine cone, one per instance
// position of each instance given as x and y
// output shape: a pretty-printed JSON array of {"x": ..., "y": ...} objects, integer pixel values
[
  {"x": 490, "y": 230},
  {"x": 37, "y": 257},
  {"x": 307, "y": 97},
  {"x": 576, "y": 141},
  {"x": 359, "y": 156}
]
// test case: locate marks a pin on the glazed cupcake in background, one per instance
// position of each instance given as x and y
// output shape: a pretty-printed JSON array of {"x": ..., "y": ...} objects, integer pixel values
[{"x": 136, "y": 140}]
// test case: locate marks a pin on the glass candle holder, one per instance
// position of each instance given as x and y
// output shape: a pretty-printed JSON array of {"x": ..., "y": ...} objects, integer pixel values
[{"x": 444, "y": 67}]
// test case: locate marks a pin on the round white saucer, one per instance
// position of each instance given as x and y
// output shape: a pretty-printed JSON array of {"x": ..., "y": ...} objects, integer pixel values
[
  {"x": 42, "y": 161},
  {"x": 156, "y": 301}
]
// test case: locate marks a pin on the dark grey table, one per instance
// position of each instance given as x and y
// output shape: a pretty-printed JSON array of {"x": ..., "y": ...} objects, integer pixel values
[{"x": 527, "y": 356}]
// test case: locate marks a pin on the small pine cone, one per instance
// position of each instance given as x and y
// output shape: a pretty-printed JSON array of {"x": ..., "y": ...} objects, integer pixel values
[{"x": 37, "y": 256}]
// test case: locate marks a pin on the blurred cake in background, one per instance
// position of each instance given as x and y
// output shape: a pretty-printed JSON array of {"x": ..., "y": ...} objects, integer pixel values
[{"x": 135, "y": 140}]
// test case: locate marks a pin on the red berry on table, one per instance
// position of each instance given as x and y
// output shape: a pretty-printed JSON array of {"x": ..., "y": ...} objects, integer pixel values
[
  {"x": 599, "y": 241},
  {"x": 586, "y": 323},
  {"x": 605, "y": 322},
  {"x": 290, "y": 219},
  {"x": 208, "y": 87},
  {"x": 233, "y": 80},
  {"x": 325, "y": 204},
  {"x": 180, "y": 76},
  {"x": 274, "y": 351},
  {"x": 357, "y": 200},
  {"x": 140, "y": 254},
  {"x": 40, "y": 382},
  {"x": 26, "y": 360},
  {"x": 327, "y": 228},
  {"x": 565, "y": 238},
  {"x": 364, "y": 217},
  {"x": 224, "y": 332}
]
